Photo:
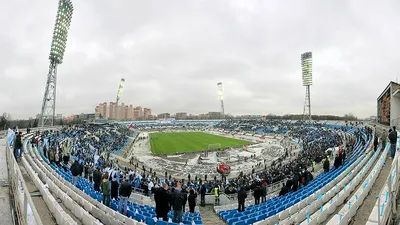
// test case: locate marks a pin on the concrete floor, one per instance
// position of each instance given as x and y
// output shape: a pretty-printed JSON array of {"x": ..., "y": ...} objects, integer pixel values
[{"x": 5, "y": 210}]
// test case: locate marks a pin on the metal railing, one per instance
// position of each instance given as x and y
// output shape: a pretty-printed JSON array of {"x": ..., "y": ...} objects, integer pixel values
[{"x": 387, "y": 210}]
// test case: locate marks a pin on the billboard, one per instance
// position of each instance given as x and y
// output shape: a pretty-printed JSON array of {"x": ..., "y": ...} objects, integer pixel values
[{"x": 384, "y": 103}]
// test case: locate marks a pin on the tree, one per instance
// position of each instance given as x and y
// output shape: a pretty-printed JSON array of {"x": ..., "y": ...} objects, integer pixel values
[{"x": 5, "y": 121}]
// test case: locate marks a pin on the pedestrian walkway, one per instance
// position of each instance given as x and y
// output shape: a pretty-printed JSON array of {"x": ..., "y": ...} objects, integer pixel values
[
  {"x": 209, "y": 217},
  {"x": 5, "y": 202}
]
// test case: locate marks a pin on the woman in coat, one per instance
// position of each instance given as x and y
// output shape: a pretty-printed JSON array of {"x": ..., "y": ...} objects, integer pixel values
[
  {"x": 114, "y": 188},
  {"x": 192, "y": 200}
]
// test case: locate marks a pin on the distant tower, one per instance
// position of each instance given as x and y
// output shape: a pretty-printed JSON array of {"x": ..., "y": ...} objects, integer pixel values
[
  {"x": 306, "y": 67},
  {"x": 119, "y": 93},
  {"x": 60, "y": 34},
  {"x": 221, "y": 98}
]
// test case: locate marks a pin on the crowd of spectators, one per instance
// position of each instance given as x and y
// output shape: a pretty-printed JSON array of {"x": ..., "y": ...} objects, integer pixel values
[{"x": 90, "y": 145}]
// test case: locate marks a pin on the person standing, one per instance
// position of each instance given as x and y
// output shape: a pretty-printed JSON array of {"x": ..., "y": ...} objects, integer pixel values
[
  {"x": 241, "y": 199},
  {"x": 264, "y": 192},
  {"x": 17, "y": 145},
  {"x": 326, "y": 164},
  {"x": 177, "y": 204},
  {"x": 383, "y": 139},
  {"x": 96, "y": 179},
  {"x": 105, "y": 188},
  {"x": 114, "y": 188},
  {"x": 216, "y": 194},
  {"x": 257, "y": 195},
  {"x": 376, "y": 141},
  {"x": 203, "y": 191},
  {"x": 393, "y": 141},
  {"x": 161, "y": 197},
  {"x": 75, "y": 172},
  {"x": 192, "y": 200},
  {"x": 124, "y": 192},
  {"x": 184, "y": 194}
]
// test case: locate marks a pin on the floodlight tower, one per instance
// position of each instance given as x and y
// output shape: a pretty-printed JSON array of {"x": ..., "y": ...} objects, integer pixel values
[
  {"x": 119, "y": 93},
  {"x": 306, "y": 67},
  {"x": 221, "y": 98},
  {"x": 60, "y": 34}
]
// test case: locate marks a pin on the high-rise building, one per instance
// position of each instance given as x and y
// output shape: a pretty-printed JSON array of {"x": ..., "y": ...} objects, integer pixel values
[
  {"x": 137, "y": 113},
  {"x": 181, "y": 115},
  {"x": 130, "y": 113},
  {"x": 163, "y": 116},
  {"x": 146, "y": 113},
  {"x": 111, "y": 110},
  {"x": 122, "y": 112}
]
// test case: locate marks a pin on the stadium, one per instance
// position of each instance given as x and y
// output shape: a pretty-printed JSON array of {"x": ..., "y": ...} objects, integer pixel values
[{"x": 222, "y": 169}]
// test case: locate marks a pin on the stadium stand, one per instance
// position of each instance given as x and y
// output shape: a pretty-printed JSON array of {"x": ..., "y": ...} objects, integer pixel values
[
  {"x": 277, "y": 208},
  {"x": 86, "y": 195},
  {"x": 338, "y": 192}
]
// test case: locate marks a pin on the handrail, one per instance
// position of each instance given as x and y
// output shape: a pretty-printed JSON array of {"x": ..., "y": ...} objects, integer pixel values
[{"x": 21, "y": 200}]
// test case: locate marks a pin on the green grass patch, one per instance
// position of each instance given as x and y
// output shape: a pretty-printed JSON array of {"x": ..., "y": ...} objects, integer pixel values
[{"x": 171, "y": 143}]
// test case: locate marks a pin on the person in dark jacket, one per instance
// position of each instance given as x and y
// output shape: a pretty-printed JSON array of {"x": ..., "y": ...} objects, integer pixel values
[
  {"x": 86, "y": 169},
  {"x": 192, "y": 200},
  {"x": 376, "y": 141},
  {"x": 257, "y": 195},
  {"x": 336, "y": 163},
  {"x": 326, "y": 165},
  {"x": 18, "y": 145},
  {"x": 96, "y": 179},
  {"x": 124, "y": 192},
  {"x": 203, "y": 191},
  {"x": 75, "y": 171},
  {"x": 393, "y": 142},
  {"x": 184, "y": 194},
  {"x": 161, "y": 197},
  {"x": 66, "y": 159},
  {"x": 81, "y": 169},
  {"x": 114, "y": 188},
  {"x": 284, "y": 190},
  {"x": 241, "y": 199},
  {"x": 177, "y": 204}
]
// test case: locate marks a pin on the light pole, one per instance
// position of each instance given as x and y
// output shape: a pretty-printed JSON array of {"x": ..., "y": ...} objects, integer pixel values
[{"x": 60, "y": 34}]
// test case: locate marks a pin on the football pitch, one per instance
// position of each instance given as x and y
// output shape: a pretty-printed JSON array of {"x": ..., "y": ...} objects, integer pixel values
[{"x": 171, "y": 143}]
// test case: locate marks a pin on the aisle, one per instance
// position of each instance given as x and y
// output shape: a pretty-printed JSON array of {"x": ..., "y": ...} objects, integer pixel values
[
  {"x": 209, "y": 217},
  {"x": 5, "y": 212}
]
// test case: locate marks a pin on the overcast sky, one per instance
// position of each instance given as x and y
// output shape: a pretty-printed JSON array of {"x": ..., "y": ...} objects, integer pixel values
[{"x": 172, "y": 54}]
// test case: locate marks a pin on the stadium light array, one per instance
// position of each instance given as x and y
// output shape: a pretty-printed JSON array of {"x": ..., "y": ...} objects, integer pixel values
[
  {"x": 120, "y": 88},
  {"x": 306, "y": 67},
  {"x": 60, "y": 34},
  {"x": 220, "y": 91}
]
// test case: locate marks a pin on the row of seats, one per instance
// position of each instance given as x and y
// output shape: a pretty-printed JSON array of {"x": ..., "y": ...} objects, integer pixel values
[
  {"x": 55, "y": 208},
  {"x": 348, "y": 210},
  {"x": 386, "y": 195},
  {"x": 274, "y": 206},
  {"x": 137, "y": 212},
  {"x": 86, "y": 204},
  {"x": 307, "y": 211},
  {"x": 343, "y": 191}
]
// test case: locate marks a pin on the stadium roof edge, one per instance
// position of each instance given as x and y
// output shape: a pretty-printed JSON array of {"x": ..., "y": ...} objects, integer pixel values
[{"x": 387, "y": 87}]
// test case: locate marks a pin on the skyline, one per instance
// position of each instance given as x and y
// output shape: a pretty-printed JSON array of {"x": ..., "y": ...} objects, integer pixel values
[{"x": 173, "y": 54}]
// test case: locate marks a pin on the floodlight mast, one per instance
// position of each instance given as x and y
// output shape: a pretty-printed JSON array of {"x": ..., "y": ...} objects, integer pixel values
[
  {"x": 60, "y": 35},
  {"x": 221, "y": 98},
  {"x": 306, "y": 67}
]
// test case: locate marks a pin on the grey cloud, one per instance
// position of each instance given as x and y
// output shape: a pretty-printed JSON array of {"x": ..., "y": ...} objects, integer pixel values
[{"x": 172, "y": 53}]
